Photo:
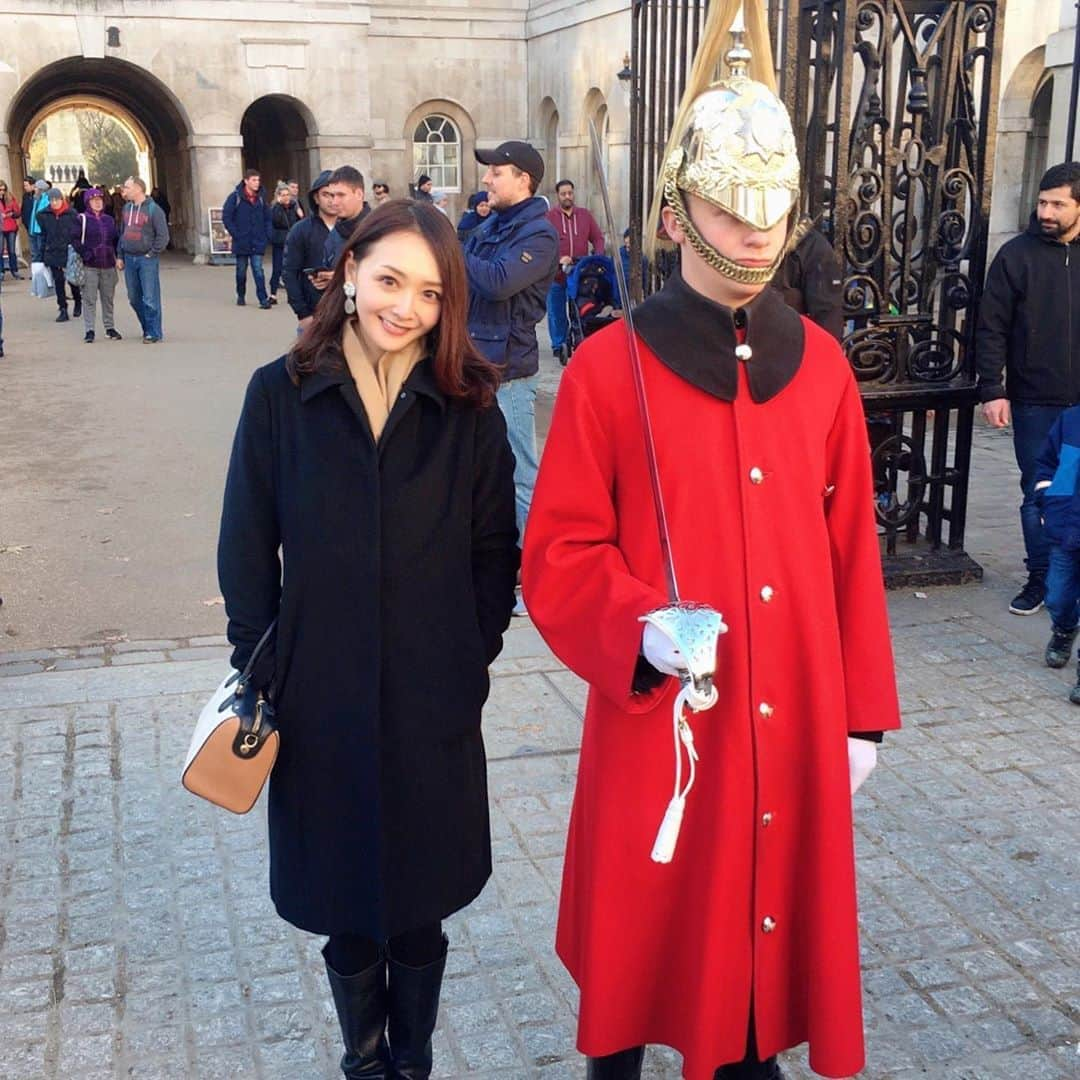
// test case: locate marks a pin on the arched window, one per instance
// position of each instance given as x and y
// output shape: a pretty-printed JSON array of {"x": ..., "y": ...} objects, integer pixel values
[{"x": 437, "y": 152}]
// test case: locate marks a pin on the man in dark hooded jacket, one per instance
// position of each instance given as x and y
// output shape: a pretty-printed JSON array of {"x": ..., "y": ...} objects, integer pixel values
[
  {"x": 247, "y": 219},
  {"x": 304, "y": 247}
]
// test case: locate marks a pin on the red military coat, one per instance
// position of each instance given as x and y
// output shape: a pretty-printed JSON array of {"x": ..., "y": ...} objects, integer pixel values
[{"x": 769, "y": 501}]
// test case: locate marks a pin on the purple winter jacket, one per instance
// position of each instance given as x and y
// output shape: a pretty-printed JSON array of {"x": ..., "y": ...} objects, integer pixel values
[{"x": 98, "y": 250}]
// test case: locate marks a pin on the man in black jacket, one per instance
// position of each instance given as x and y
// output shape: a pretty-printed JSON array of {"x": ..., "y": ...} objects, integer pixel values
[
  {"x": 346, "y": 191},
  {"x": 304, "y": 248},
  {"x": 1029, "y": 331}
]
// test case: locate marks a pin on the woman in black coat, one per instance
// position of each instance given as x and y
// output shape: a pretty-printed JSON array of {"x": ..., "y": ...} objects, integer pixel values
[
  {"x": 284, "y": 214},
  {"x": 374, "y": 456},
  {"x": 58, "y": 227}
]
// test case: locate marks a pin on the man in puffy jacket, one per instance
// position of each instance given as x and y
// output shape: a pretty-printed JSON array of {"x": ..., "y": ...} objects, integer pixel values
[
  {"x": 304, "y": 248},
  {"x": 57, "y": 225},
  {"x": 247, "y": 219},
  {"x": 1026, "y": 347},
  {"x": 511, "y": 261}
]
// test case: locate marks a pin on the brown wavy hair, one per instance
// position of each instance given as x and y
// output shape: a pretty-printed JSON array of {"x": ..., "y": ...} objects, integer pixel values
[{"x": 460, "y": 370}]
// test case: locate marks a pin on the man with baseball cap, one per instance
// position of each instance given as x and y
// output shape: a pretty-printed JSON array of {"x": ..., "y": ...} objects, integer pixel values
[{"x": 511, "y": 261}]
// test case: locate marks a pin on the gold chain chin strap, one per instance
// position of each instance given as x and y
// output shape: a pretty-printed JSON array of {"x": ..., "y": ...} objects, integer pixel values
[{"x": 744, "y": 275}]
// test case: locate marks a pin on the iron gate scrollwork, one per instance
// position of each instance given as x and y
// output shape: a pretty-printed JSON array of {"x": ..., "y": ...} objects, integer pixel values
[{"x": 895, "y": 105}]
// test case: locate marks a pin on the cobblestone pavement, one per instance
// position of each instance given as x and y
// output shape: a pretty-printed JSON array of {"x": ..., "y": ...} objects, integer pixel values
[{"x": 137, "y": 939}]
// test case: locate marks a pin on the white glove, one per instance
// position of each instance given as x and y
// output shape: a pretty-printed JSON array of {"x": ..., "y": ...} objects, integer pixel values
[
  {"x": 661, "y": 652},
  {"x": 862, "y": 758}
]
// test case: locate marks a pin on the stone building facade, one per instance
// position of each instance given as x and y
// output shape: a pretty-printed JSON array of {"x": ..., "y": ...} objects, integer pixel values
[{"x": 294, "y": 86}]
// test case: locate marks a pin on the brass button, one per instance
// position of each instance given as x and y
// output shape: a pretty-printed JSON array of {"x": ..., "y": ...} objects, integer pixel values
[
  {"x": 768, "y": 924},
  {"x": 766, "y": 819},
  {"x": 767, "y": 594},
  {"x": 765, "y": 709},
  {"x": 756, "y": 475}
]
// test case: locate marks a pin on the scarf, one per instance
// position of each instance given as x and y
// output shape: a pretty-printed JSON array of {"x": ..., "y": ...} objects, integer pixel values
[{"x": 378, "y": 378}]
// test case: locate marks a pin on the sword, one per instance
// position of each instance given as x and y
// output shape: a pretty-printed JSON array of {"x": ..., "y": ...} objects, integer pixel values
[{"x": 694, "y": 629}]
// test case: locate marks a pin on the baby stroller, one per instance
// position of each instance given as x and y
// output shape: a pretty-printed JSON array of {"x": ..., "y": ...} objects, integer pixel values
[{"x": 592, "y": 300}]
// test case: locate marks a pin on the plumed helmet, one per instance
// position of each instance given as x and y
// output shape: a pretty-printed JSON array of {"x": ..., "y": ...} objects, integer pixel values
[
  {"x": 738, "y": 151},
  {"x": 732, "y": 142}
]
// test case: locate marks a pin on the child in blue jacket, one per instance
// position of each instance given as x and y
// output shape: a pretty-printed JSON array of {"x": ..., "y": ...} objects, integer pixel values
[{"x": 1056, "y": 488}]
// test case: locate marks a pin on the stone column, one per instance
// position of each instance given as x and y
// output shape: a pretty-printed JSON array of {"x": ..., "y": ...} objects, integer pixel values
[
  {"x": 216, "y": 168},
  {"x": 331, "y": 151}
]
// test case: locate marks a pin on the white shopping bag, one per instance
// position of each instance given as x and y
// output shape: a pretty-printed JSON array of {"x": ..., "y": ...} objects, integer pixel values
[{"x": 41, "y": 280}]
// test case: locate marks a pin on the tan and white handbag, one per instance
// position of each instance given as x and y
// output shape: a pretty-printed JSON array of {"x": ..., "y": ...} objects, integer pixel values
[{"x": 235, "y": 743}]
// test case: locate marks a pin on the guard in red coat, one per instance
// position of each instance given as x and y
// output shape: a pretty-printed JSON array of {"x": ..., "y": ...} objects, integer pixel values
[{"x": 745, "y": 943}]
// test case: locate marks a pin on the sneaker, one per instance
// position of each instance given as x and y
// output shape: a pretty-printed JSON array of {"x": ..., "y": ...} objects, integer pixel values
[
  {"x": 62, "y": 317},
  {"x": 88, "y": 337},
  {"x": 519, "y": 605},
  {"x": 1074, "y": 693},
  {"x": 266, "y": 305},
  {"x": 1030, "y": 598},
  {"x": 1060, "y": 648},
  {"x": 240, "y": 301},
  {"x": 77, "y": 310},
  {"x": 148, "y": 340},
  {"x": 273, "y": 300},
  {"x": 113, "y": 335}
]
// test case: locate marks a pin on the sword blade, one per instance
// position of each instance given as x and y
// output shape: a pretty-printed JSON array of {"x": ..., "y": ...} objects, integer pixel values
[{"x": 639, "y": 377}]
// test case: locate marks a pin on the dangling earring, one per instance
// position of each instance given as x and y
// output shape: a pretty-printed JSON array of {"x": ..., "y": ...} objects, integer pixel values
[{"x": 350, "y": 298}]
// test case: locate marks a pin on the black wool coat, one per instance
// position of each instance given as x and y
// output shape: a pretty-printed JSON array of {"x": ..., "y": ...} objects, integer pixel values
[{"x": 397, "y": 584}]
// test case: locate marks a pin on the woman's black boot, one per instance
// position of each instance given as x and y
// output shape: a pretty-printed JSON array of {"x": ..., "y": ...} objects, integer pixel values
[
  {"x": 413, "y": 1009},
  {"x": 360, "y": 1001},
  {"x": 625, "y": 1065}
]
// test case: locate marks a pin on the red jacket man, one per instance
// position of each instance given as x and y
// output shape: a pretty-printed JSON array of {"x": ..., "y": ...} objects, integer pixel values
[
  {"x": 578, "y": 232},
  {"x": 746, "y": 942}
]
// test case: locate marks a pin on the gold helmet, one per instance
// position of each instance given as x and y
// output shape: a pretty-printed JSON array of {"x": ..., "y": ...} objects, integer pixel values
[{"x": 732, "y": 143}]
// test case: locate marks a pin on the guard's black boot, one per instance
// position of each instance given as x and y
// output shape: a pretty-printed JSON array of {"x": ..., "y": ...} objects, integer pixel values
[
  {"x": 413, "y": 1009},
  {"x": 1074, "y": 693},
  {"x": 1059, "y": 649},
  {"x": 751, "y": 1069},
  {"x": 625, "y": 1065},
  {"x": 360, "y": 1001}
]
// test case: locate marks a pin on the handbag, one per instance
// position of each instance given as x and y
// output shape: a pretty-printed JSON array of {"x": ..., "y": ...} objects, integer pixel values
[
  {"x": 235, "y": 743},
  {"x": 75, "y": 270}
]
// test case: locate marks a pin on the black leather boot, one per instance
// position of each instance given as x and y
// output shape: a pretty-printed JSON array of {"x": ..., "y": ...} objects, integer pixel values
[
  {"x": 413, "y": 1009},
  {"x": 1074, "y": 693},
  {"x": 360, "y": 1001},
  {"x": 625, "y": 1065},
  {"x": 751, "y": 1070}
]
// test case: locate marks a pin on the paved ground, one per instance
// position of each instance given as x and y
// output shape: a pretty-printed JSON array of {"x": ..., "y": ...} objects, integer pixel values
[{"x": 136, "y": 938}]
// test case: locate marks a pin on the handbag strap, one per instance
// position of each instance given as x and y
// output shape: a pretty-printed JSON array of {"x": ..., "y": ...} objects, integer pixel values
[
  {"x": 255, "y": 654},
  {"x": 83, "y": 240}
]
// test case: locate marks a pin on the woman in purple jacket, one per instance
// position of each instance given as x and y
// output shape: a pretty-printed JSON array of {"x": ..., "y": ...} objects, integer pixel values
[{"x": 95, "y": 241}]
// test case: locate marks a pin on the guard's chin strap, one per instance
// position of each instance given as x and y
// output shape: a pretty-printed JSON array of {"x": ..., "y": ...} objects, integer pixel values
[
  {"x": 664, "y": 848},
  {"x": 744, "y": 275}
]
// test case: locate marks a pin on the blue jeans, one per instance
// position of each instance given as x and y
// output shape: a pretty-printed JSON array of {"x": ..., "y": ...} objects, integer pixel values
[
  {"x": 256, "y": 264},
  {"x": 144, "y": 292},
  {"x": 1031, "y": 425},
  {"x": 37, "y": 247},
  {"x": 517, "y": 399},
  {"x": 9, "y": 249},
  {"x": 1063, "y": 588},
  {"x": 556, "y": 312}
]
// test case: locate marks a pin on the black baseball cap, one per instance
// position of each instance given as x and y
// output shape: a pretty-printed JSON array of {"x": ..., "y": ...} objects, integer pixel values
[{"x": 516, "y": 153}]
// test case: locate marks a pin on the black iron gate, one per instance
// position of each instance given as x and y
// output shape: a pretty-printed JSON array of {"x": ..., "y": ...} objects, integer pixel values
[{"x": 894, "y": 103}]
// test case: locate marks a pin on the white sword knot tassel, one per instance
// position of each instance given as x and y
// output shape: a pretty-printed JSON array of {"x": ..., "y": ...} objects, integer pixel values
[{"x": 694, "y": 630}]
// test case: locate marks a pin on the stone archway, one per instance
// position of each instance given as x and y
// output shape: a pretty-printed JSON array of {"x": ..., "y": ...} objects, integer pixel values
[
  {"x": 595, "y": 109},
  {"x": 130, "y": 92},
  {"x": 548, "y": 137},
  {"x": 277, "y": 131}
]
